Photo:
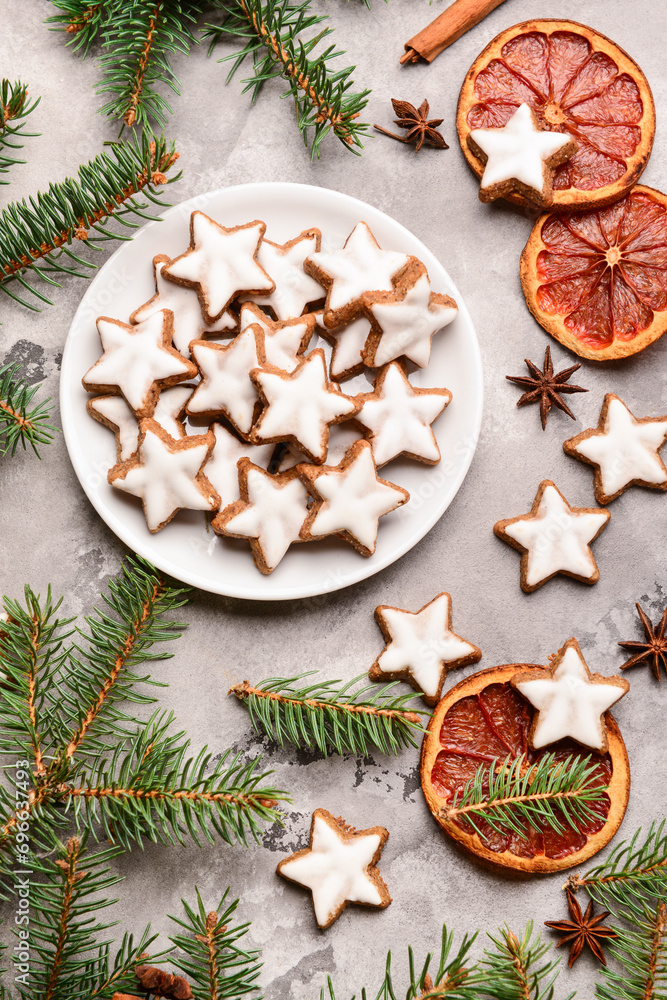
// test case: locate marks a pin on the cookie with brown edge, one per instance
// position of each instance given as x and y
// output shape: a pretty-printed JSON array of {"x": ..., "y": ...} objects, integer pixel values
[
  {"x": 269, "y": 514},
  {"x": 350, "y": 499},
  {"x": 397, "y": 417},
  {"x": 220, "y": 263},
  {"x": 623, "y": 450},
  {"x": 166, "y": 474},
  {"x": 295, "y": 288},
  {"x": 339, "y": 867},
  {"x": 348, "y": 274},
  {"x": 421, "y": 647},
  {"x": 300, "y": 406},
  {"x": 570, "y": 701},
  {"x": 553, "y": 538},
  {"x": 285, "y": 341},
  {"x": 114, "y": 413},
  {"x": 138, "y": 361},
  {"x": 347, "y": 346}
]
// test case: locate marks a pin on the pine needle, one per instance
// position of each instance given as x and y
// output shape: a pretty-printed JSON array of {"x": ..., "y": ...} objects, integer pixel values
[
  {"x": 15, "y": 106},
  {"x": 514, "y": 968},
  {"x": 81, "y": 20},
  {"x": 513, "y": 797},
  {"x": 270, "y": 33},
  {"x": 37, "y": 236},
  {"x": 21, "y": 423},
  {"x": 641, "y": 952},
  {"x": 331, "y": 716}
]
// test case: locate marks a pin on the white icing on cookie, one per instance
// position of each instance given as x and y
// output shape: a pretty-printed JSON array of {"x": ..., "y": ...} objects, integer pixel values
[
  {"x": 165, "y": 476},
  {"x": 284, "y": 342},
  {"x": 399, "y": 417},
  {"x": 360, "y": 266},
  {"x": 341, "y": 437},
  {"x": 300, "y": 406},
  {"x": 348, "y": 345},
  {"x": 221, "y": 468},
  {"x": 115, "y": 410},
  {"x": 557, "y": 538},
  {"x": 226, "y": 386},
  {"x": 569, "y": 701},
  {"x": 335, "y": 869},
  {"x": 294, "y": 288},
  {"x": 518, "y": 151},
  {"x": 170, "y": 408},
  {"x": 422, "y": 644},
  {"x": 626, "y": 449},
  {"x": 188, "y": 321},
  {"x": 409, "y": 323},
  {"x": 354, "y": 498},
  {"x": 273, "y": 515},
  {"x": 135, "y": 358},
  {"x": 221, "y": 263}
]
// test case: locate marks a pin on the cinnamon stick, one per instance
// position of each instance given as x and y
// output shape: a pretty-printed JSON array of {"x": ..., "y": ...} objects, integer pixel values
[{"x": 447, "y": 27}]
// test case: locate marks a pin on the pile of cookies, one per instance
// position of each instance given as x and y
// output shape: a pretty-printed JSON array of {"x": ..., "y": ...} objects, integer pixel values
[{"x": 272, "y": 445}]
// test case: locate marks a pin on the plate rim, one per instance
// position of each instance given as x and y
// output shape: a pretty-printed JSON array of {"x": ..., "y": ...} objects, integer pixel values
[{"x": 165, "y": 563}]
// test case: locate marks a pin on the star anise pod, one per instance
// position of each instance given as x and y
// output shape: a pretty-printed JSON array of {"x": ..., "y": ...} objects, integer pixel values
[
  {"x": 654, "y": 650},
  {"x": 582, "y": 929},
  {"x": 546, "y": 386},
  {"x": 420, "y": 128}
]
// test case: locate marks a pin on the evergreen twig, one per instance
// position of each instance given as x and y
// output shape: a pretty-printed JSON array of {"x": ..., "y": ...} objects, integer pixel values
[
  {"x": 209, "y": 954},
  {"x": 37, "y": 237},
  {"x": 633, "y": 876},
  {"x": 330, "y": 715},
  {"x": 270, "y": 33},
  {"x": 514, "y": 969},
  {"x": 81, "y": 20},
  {"x": 641, "y": 951},
  {"x": 21, "y": 423},
  {"x": 513, "y": 797},
  {"x": 15, "y": 106}
]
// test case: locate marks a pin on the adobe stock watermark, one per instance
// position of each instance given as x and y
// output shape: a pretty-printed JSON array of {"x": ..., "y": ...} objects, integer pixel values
[{"x": 22, "y": 873}]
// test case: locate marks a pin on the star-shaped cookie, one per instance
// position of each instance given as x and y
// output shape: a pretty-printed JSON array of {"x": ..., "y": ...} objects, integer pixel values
[
  {"x": 348, "y": 343},
  {"x": 350, "y": 499},
  {"x": 138, "y": 361},
  {"x": 220, "y": 263},
  {"x": 189, "y": 324},
  {"x": 166, "y": 474},
  {"x": 398, "y": 417},
  {"x": 226, "y": 388},
  {"x": 406, "y": 320},
  {"x": 221, "y": 468},
  {"x": 284, "y": 263},
  {"x": 350, "y": 273},
  {"x": 623, "y": 449},
  {"x": 269, "y": 514},
  {"x": 284, "y": 341},
  {"x": 520, "y": 157},
  {"x": 421, "y": 647},
  {"x": 114, "y": 413},
  {"x": 300, "y": 407},
  {"x": 339, "y": 867},
  {"x": 554, "y": 538},
  {"x": 570, "y": 701}
]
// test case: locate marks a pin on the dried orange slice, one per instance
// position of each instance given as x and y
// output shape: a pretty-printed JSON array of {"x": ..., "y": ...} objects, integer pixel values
[
  {"x": 597, "y": 281},
  {"x": 578, "y": 82},
  {"x": 482, "y": 720}
]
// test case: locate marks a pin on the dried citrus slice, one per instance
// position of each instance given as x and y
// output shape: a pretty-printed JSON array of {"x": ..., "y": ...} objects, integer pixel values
[
  {"x": 597, "y": 281},
  {"x": 577, "y": 81},
  {"x": 482, "y": 720}
]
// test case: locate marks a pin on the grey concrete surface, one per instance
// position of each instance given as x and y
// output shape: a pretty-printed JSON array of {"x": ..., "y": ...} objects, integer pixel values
[{"x": 51, "y": 534}]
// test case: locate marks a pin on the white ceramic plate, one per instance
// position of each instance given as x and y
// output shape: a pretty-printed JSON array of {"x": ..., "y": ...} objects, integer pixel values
[{"x": 184, "y": 549}]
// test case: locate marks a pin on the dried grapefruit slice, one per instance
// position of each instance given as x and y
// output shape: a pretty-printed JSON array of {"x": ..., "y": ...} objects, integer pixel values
[
  {"x": 597, "y": 281},
  {"x": 484, "y": 719},
  {"x": 577, "y": 81}
]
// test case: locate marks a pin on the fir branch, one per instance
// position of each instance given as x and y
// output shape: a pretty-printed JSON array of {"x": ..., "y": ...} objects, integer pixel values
[
  {"x": 81, "y": 20},
  {"x": 37, "y": 237},
  {"x": 330, "y": 716},
  {"x": 209, "y": 954},
  {"x": 138, "y": 40},
  {"x": 19, "y": 423},
  {"x": 15, "y": 106},
  {"x": 513, "y": 797},
  {"x": 270, "y": 33},
  {"x": 633, "y": 876},
  {"x": 642, "y": 954},
  {"x": 514, "y": 970},
  {"x": 454, "y": 979},
  {"x": 153, "y": 789}
]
